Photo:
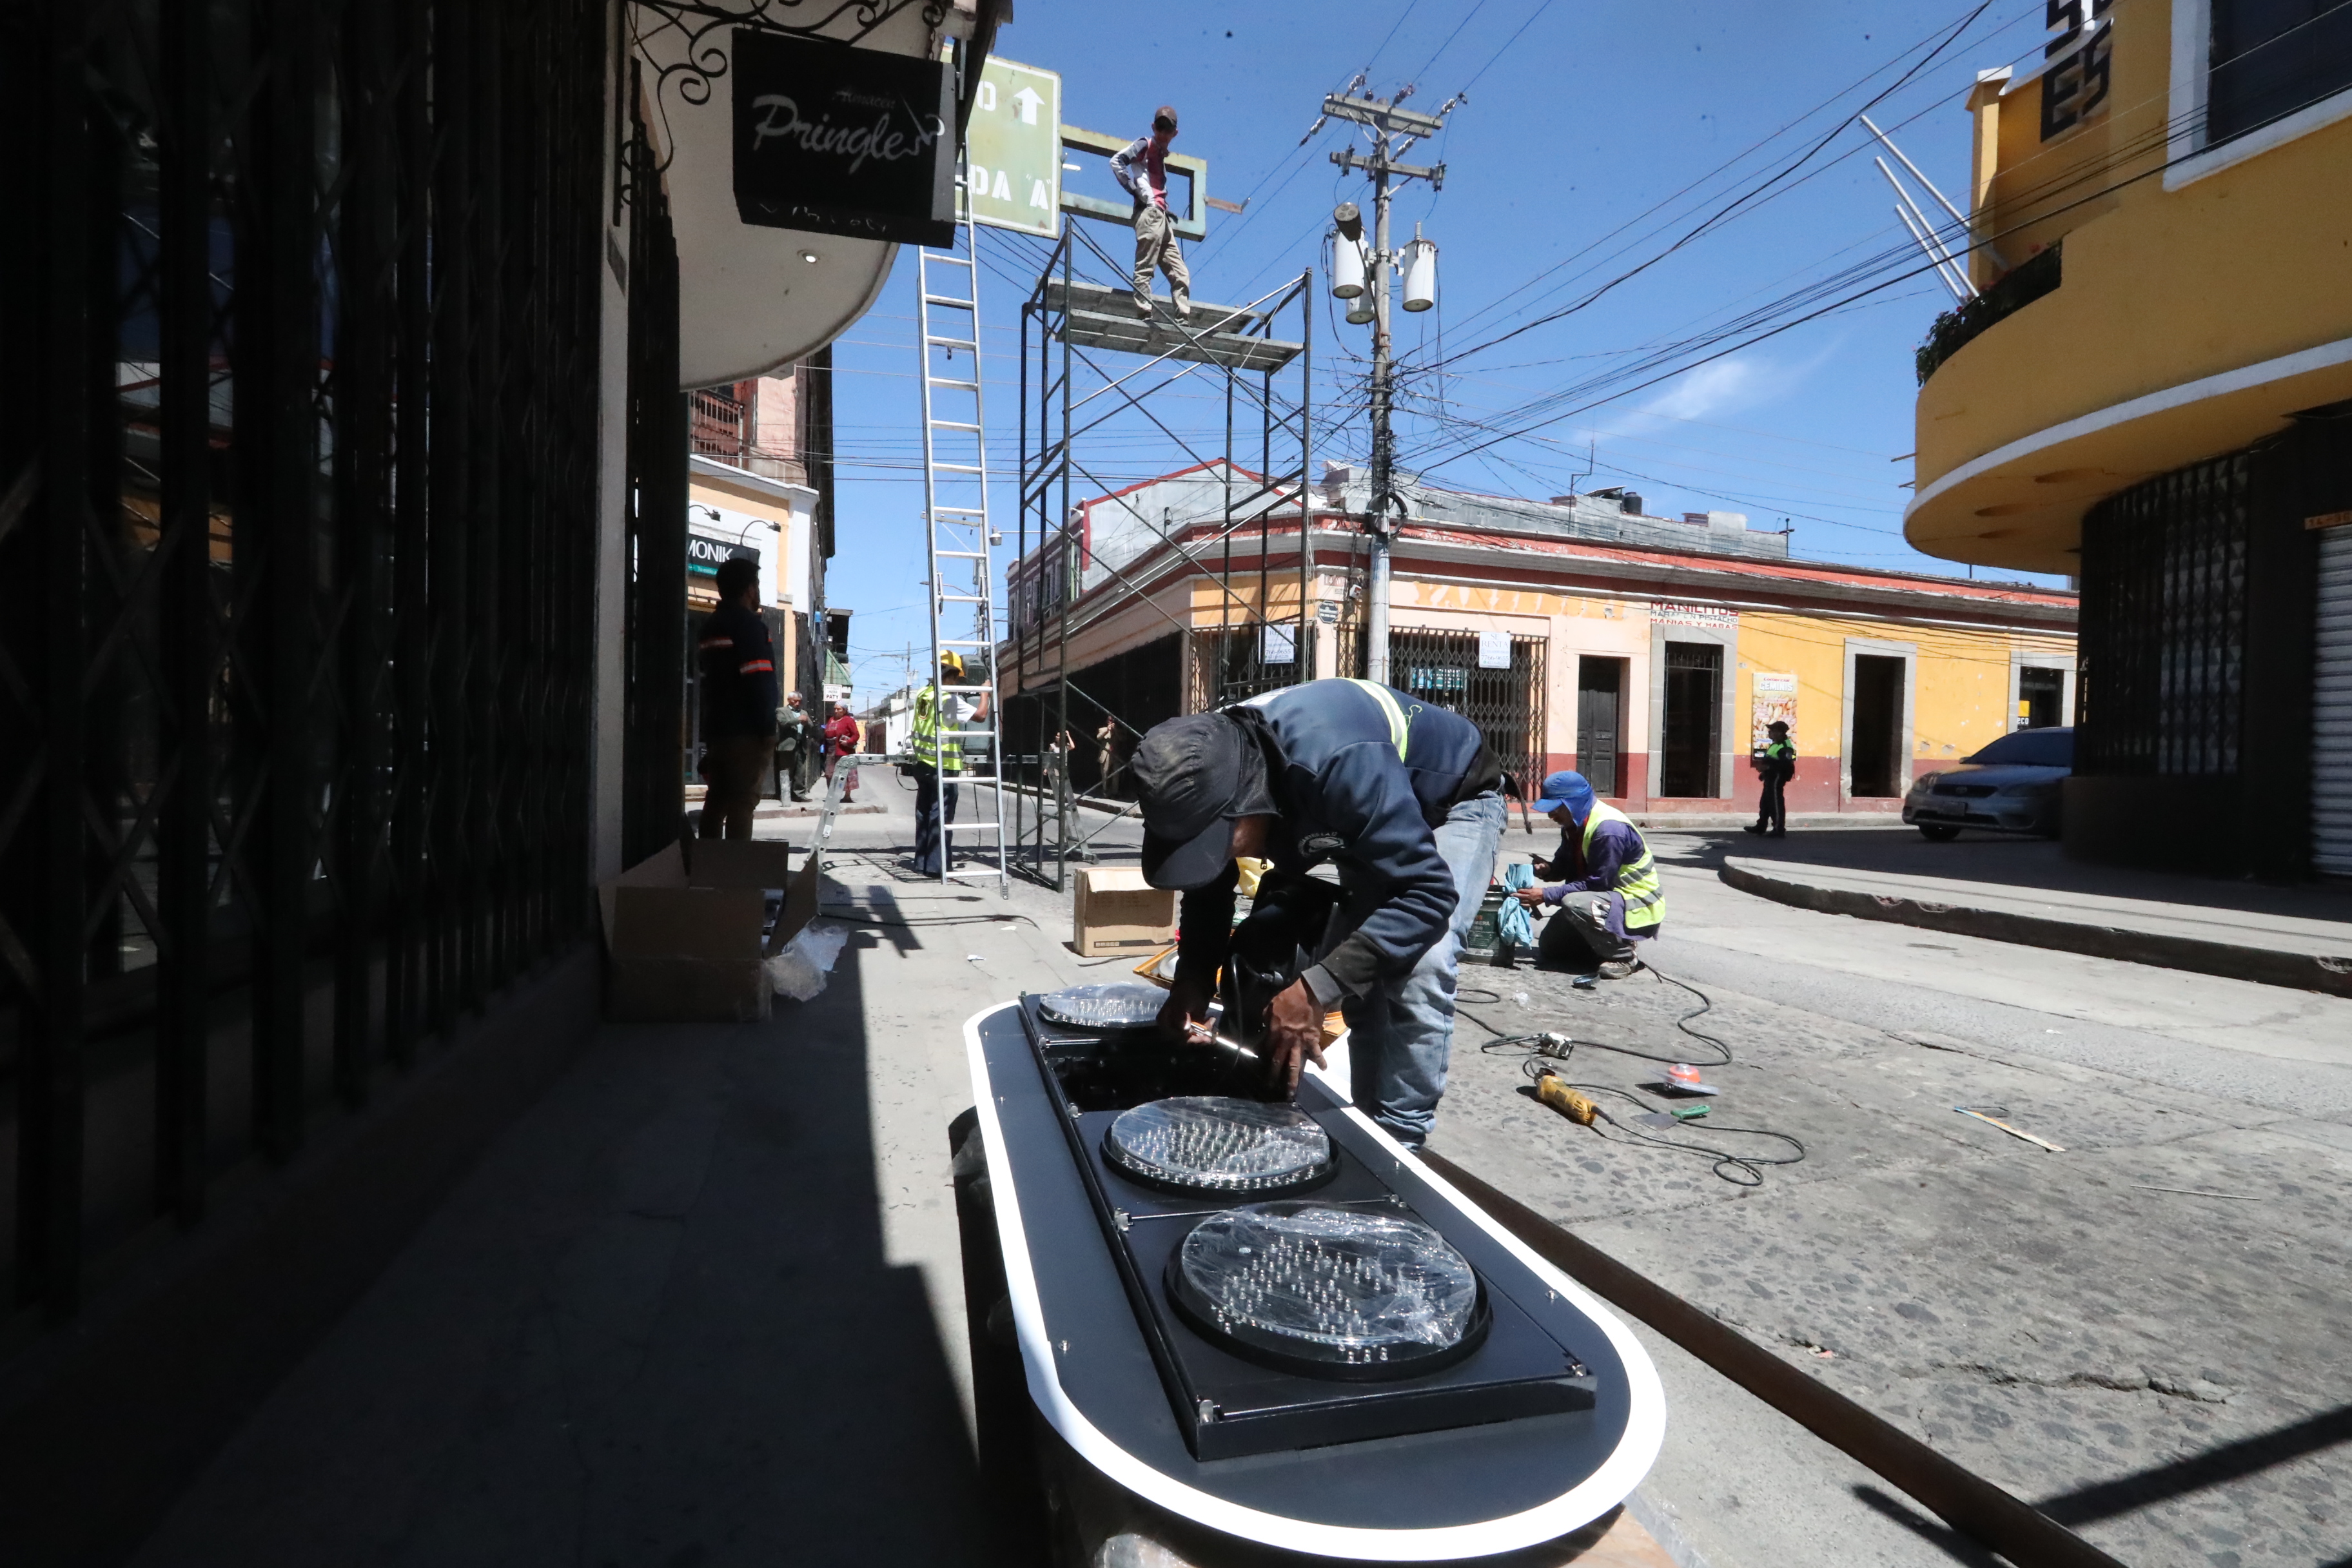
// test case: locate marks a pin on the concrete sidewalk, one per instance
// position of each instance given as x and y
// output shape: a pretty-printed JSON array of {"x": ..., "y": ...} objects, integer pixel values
[{"x": 2210, "y": 937}]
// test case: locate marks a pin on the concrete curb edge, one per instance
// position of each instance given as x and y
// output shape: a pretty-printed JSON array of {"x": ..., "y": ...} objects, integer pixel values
[{"x": 2296, "y": 971}]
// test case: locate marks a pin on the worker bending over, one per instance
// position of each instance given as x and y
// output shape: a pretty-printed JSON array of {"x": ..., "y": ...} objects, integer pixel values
[
  {"x": 1402, "y": 798},
  {"x": 1141, "y": 167},
  {"x": 1608, "y": 897}
]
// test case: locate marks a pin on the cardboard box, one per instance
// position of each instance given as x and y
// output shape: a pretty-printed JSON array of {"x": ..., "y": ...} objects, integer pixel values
[
  {"x": 682, "y": 930},
  {"x": 1115, "y": 911}
]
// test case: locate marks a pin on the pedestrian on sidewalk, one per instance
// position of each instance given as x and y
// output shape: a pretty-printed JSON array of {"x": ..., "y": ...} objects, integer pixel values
[
  {"x": 1141, "y": 168},
  {"x": 738, "y": 703},
  {"x": 841, "y": 736},
  {"x": 1776, "y": 763},
  {"x": 1609, "y": 896},
  {"x": 1318, "y": 772},
  {"x": 1106, "y": 753},
  {"x": 797, "y": 738}
]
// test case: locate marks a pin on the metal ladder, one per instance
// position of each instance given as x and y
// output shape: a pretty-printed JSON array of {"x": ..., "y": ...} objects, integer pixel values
[{"x": 956, "y": 527}]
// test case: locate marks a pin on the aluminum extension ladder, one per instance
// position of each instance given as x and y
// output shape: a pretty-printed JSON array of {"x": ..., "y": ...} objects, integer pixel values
[{"x": 956, "y": 526}]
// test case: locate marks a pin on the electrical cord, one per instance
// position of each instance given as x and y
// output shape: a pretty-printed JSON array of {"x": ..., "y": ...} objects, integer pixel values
[
  {"x": 1707, "y": 1004},
  {"x": 1739, "y": 1169}
]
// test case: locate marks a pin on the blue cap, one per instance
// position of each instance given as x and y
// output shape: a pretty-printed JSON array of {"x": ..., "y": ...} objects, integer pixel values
[{"x": 1567, "y": 788}]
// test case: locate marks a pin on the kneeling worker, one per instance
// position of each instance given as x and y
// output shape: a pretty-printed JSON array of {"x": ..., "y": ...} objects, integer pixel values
[
  {"x": 1403, "y": 798},
  {"x": 1610, "y": 897}
]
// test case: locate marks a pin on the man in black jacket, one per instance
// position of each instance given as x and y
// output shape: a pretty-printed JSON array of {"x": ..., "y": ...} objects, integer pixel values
[
  {"x": 738, "y": 703},
  {"x": 1403, "y": 798}
]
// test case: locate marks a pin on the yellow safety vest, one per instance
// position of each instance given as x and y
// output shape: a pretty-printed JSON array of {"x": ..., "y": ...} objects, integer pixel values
[
  {"x": 930, "y": 748},
  {"x": 1400, "y": 727},
  {"x": 1637, "y": 879}
]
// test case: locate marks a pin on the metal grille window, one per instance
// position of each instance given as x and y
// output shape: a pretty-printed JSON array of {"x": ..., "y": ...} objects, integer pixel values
[
  {"x": 2163, "y": 631},
  {"x": 1508, "y": 705},
  {"x": 1230, "y": 663},
  {"x": 297, "y": 579}
]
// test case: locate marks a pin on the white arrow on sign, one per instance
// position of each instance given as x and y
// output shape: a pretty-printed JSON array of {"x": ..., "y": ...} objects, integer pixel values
[{"x": 1028, "y": 100}]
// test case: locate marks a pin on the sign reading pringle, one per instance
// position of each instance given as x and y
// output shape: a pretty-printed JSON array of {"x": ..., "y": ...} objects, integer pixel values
[{"x": 837, "y": 140}]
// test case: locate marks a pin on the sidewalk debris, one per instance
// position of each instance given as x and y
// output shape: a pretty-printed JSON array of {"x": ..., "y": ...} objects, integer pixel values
[
  {"x": 2005, "y": 1127},
  {"x": 800, "y": 970},
  {"x": 2195, "y": 1193}
]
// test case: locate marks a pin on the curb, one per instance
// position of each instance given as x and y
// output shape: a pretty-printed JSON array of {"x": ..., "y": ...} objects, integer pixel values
[{"x": 2327, "y": 973}]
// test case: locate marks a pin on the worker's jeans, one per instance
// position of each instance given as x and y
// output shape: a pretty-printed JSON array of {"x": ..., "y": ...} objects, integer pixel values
[
  {"x": 1402, "y": 1034},
  {"x": 932, "y": 852},
  {"x": 1155, "y": 246},
  {"x": 733, "y": 768}
]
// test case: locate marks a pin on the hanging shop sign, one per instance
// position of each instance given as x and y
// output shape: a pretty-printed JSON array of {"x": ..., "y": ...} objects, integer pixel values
[
  {"x": 704, "y": 554},
  {"x": 1493, "y": 650},
  {"x": 837, "y": 140}
]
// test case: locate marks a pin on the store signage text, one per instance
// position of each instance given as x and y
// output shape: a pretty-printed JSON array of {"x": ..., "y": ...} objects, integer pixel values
[{"x": 837, "y": 140}]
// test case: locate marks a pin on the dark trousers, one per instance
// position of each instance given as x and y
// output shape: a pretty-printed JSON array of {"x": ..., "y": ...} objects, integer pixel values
[
  {"x": 1578, "y": 936},
  {"x": 935, "y": 803},
  {"x": 1773, "y": 810},
  {"x": 733, "y": 767}
]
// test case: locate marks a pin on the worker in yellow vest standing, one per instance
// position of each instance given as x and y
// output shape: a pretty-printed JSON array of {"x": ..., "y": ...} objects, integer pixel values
[
  {"x": 937, "y": 763},
  {"x": 1608, "y": 897}
]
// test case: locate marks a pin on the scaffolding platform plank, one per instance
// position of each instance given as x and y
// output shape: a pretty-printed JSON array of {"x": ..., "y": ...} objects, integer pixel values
[{"x": 1099, "y": 317}]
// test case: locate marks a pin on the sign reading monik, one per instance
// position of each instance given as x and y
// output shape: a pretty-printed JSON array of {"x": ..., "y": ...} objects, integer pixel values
[{"x": 837, "y": 140}]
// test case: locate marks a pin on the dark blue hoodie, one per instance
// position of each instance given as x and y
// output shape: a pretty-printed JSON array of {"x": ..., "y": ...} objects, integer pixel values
[{"x": 1344, "y": 794}]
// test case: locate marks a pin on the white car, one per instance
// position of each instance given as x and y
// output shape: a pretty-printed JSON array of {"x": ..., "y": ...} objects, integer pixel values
[{"x": 2010, "y": 786}]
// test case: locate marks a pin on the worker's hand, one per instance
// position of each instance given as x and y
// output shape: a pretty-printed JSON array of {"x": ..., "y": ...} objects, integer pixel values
[
  {"x": 1533, "y": 898},
  {"x": 1543, "y": 870},
  {"x": 1184, "y": 1016},
  {"x": 1294, "y": 1036}
]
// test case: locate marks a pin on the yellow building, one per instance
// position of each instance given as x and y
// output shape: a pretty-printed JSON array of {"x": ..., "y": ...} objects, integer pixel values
[
  {"x": 1648, "y": 652},
  {"x": 2152, "y": 393}
]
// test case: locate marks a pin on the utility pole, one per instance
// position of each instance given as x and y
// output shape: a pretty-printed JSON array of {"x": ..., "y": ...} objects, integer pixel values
[{"x": 1394, "y": 130}]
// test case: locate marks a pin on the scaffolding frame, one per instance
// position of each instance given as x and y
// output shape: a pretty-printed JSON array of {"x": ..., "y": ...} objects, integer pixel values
[{"x": 1070, "y": 324}]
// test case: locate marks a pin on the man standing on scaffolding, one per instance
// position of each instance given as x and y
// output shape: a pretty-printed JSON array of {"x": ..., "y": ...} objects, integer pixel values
[
  {"x": 1142, "y": 168},
  {"x": 1404, "y": 798}
]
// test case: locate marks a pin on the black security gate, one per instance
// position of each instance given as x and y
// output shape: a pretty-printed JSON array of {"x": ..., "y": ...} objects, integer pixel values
[
  {"x": 1507, "y": 704},
  {"x": 2163, "y": 633},
  {"x": 298, "y": 502}
]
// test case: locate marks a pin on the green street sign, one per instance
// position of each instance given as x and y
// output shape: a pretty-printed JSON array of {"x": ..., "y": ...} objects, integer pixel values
[{"x": 1013, "y": 150}]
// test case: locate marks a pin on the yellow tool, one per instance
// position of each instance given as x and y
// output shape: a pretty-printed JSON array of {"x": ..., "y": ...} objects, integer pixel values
[{"x": 1553, "y": 1090}]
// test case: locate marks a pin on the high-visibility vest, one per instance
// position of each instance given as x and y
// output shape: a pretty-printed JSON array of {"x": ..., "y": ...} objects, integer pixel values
[
  {"x": 942, "y": 752},
  {"x": 1637, "y": 879},
  {"x": 1400, "y": 728}
]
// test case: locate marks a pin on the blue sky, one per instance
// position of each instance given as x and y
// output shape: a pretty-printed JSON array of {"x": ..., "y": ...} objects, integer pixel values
[{"x": 1596, "y": 135}]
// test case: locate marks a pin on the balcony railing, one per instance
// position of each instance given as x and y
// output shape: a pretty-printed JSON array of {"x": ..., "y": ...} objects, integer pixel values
[
  {"x": 720, "y": 426},
  {"x": 1954, "y": 329}
]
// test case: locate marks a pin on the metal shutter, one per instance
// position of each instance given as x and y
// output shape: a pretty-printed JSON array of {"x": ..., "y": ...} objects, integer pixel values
[{"x": 2331, "y": 709}]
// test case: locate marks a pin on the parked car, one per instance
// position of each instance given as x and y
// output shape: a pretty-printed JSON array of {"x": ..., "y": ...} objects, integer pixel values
[{"x": 2010, "y": 786}]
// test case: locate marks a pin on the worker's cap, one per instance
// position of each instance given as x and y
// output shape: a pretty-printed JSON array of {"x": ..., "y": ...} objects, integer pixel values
[
  {"x": 1567, "y": 788},
  {"x": 1191, "y": 774},
  {"x": 1777, "y": 727},
  {"x": 952, "y": 662}
]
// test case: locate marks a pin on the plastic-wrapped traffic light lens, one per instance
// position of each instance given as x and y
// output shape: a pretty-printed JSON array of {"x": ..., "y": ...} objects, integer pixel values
[
  {"x": 1341, "y": 1292},
  {"x": 1207, "y": 1143},
  {"x": 1128, "y": 1007}
]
